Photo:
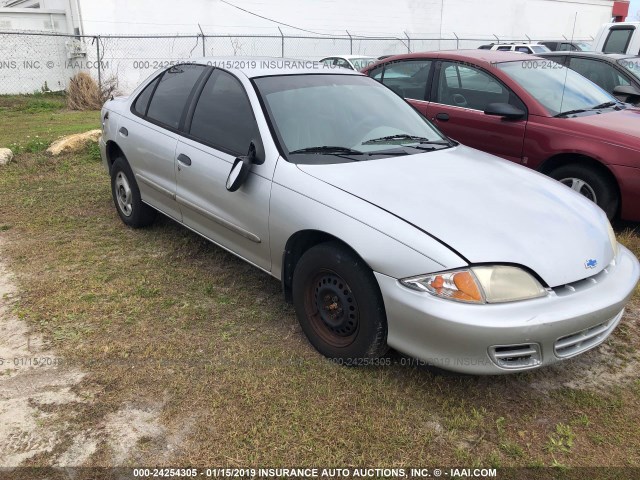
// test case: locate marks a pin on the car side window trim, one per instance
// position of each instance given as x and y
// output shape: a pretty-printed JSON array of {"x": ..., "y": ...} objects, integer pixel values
[
  {"x": 192, "y": 108},
  {"x": 436, "y": 82}
]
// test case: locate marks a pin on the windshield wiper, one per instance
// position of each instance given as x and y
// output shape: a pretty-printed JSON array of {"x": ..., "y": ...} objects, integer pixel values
[
  {"x": 582, "y": 110},
  {"x": 391, "y": 138},
  {"x": 325, "y": 149},
  {"x": 604, "y": 105},
  {"x": 572, "y": 112}
]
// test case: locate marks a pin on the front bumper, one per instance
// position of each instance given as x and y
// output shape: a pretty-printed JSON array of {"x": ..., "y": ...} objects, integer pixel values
[{"x": 486, "y": 339}]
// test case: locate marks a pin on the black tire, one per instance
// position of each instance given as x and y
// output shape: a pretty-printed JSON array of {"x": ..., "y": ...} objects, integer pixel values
[
  {"x": 596, "y": 184},
  {"x": 339, "y": 305},
  {"x": 133, "y": 212}
]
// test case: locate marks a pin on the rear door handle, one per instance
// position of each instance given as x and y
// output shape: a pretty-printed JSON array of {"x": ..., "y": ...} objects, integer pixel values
[
  {"x": 182, "y": 158},
  {"x": 443, "y": 117},
  {"x": 124, "y": 132}
]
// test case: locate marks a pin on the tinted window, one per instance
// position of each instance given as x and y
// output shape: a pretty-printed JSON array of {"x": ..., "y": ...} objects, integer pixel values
[
  {"x": 504, "y": 48},
  {"x": 408, "y": 78},
  {"x": 223, "y": 116},
  {"x": 618, "y": 40},
  {"x": 524, "y": 49},
  {"x": 172, "y": 93},
  {"x": 601, "y": 73},
  {"x": 376, "y": 72},
  {"x": 142, "y": 102},
  {"x": 469, "y": 87}
]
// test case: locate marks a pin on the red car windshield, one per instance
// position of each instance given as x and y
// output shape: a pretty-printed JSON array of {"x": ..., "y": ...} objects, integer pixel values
[{"x": 556, "y": 87}]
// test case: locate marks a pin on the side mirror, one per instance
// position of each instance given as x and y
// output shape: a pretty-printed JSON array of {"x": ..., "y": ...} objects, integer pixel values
[
  {"x": 504, "y": 110},
  {"x": 626, "y": 90},
  {"x": 242, "y": 166}
]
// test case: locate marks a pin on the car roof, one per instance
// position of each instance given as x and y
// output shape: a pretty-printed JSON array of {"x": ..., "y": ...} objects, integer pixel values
[
  {"x": 349, "y": 57},
  {"x": 472, "y": 55},
  {"x": 610, "y": 57},
  {"x": 253, "y": 67}
]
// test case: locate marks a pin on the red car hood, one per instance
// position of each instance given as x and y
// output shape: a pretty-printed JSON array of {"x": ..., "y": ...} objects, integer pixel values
[{"x": 621, "y": 127}]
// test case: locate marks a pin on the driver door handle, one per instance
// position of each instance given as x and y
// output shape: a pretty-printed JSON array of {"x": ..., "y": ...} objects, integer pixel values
[
  {"x": 444, "y": 117},
  {"x": 182, "y": 158}
]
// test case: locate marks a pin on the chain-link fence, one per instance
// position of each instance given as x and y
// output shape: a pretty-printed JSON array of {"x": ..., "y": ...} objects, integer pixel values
[{"x": 35, "y": 62}]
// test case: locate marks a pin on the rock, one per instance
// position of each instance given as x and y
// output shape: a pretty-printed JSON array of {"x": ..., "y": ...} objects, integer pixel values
[
  {"x": 74, "y": 143},
  {"x": 6, "y": 156}
]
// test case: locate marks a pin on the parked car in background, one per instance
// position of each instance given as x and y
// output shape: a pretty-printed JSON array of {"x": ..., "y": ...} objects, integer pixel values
[
  {"x": 532, "y": 48},
  {"x": 615, "y": 73},
  {"x": 373, "y": 220},
  {"x": 566, "y": 46},
  {"x": 532, "y": 111},
  {"x": 352, "y": 62},
  {"x": 621, "y": 37}
]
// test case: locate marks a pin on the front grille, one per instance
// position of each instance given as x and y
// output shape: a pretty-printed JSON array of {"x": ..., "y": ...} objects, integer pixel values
[
  {"x": 516, "y": 356},
  {"x": 578, "y": 342}
]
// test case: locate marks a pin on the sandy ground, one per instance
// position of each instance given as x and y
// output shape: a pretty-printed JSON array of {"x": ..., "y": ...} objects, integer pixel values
[{"x": 31, "y": 382}]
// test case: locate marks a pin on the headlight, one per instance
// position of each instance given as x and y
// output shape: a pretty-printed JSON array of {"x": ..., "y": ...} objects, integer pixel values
[
  {"x": 612, "y": 239},
  {"x": 497, "y": 284}
]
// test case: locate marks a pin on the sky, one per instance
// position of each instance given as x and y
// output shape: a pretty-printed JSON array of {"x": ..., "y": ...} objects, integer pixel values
[{"x": 634, "y": 8}]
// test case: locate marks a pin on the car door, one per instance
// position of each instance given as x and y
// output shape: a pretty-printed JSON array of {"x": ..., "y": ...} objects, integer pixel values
[
  {"x": 221, "y": 127},
  {"x": 149, "y": 137},
  {"x": 460, "y": 93}
]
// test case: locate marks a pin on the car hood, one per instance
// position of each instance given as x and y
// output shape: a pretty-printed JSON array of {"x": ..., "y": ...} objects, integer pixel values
[
  {"x": 611, "y": 125},
  {"x": 486, "y": 209}
]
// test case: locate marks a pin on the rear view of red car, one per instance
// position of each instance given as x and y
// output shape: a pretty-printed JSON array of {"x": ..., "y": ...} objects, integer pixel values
[{"x": 531, "y": 111}]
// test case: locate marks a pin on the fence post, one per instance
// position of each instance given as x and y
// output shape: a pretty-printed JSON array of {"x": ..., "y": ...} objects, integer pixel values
[
  {"x": 350, "y": 42},
  {"x": 457, "y": 41},
  {"x": 282, "y": 37},
  {"x": 204, "y": 50},
  {"x": 97, "y": 39},
  {"x": 529, "y": 40},
  {"x": 496, "y": 37},
  {"x": 408, "y": 42}
]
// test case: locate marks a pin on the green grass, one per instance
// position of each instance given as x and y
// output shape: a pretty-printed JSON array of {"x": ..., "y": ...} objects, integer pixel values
[
  {"x": 161, "y": 318},
  {"x": 31, "y": 122}
]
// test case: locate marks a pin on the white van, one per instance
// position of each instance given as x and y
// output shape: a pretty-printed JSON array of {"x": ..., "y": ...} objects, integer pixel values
[{"x": 622, "y": 37}]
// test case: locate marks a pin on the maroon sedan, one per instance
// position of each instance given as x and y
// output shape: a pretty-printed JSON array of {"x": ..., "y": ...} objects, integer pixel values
[{"x": 531, "y": 111}]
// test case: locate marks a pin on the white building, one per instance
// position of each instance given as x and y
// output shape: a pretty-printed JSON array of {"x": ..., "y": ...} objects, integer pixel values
[
  {"x": 422, "y": 18},
  {"x": 37, "y": 62}
]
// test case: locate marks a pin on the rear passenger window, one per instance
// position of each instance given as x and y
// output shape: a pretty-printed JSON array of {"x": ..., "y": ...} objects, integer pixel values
[
  {"x": 142, "y": 102},
  {"x": 171, "y": 96},
  {"x": 223, "y": 117},
  {"x": 618, "y": 40},
  {"x": 408, "y": 78}
]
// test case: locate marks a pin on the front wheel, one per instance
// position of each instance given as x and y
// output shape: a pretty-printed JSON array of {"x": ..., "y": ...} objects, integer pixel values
[
  {"x": 126, "y": 196},
  {"x": 591, "y": 184},
  {"x": 339, "y": 305}
]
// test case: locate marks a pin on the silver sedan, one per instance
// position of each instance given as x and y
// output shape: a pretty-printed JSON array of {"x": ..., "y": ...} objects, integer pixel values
[{"x": 383, "y": 232}]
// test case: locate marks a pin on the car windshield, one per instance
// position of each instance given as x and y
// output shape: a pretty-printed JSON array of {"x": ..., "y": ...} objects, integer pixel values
[
  {"x": 330, "y": 116},
  {"x": 632, "y": 65},
  {"x": 363, "y": 62},
  {"x": 558, "y": 89}
]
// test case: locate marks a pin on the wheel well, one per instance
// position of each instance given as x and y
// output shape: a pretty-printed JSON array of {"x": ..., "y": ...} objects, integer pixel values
[
  {"x": 113, "y": 152},
  {"x": 563, "y": 159},
  {"x": 296, "y": 246}
]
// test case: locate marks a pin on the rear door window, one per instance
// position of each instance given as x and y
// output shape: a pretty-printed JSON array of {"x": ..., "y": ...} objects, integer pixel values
[
  {"x": 408, "y": 78},
  {"x": 170, "y": 98},
  {"x": 618, "y": 40},
  {"x": 142, "y": 102}
]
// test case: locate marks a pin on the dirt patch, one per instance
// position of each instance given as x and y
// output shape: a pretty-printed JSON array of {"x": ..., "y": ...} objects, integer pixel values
[{"x": 32, "y": 379}]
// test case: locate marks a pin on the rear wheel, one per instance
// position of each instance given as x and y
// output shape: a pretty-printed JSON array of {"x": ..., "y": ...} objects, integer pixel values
[
  {"x": 591, "y": 184},
  {"x": 126, "y": 196},
  {"x": 339, "y": 305}
]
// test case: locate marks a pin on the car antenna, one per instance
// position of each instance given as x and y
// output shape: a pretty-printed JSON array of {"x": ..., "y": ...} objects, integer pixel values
[{"x": 566, "y": 72}]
